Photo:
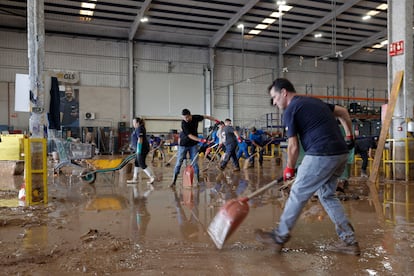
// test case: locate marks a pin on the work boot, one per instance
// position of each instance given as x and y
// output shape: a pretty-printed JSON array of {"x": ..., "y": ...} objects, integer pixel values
[
  {"x": 342, "y": 247},
  {"x": 268, "y": 239},
  {"x": 172, "y": 185},
  {"x": 135, "y": 176},
  {"x": 150, "y": 174},
  {"x": 342, "y": 185}
]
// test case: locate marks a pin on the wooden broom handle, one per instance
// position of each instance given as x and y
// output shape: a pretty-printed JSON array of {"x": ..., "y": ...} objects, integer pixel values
[{"x": 264, "y": 188}]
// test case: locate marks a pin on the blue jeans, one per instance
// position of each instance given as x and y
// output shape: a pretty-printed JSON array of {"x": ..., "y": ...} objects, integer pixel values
[
  {"x": 316, "y": 174},
  {"x": 243, "y": 151},
  {"x": 182, "y": 153}
]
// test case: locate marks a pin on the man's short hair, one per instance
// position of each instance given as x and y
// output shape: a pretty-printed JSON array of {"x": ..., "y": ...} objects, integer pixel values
[
  {"x": 282, "y": 83},
  {"x": 228, "y": 120},
  {"x": 185, "y": 112}
]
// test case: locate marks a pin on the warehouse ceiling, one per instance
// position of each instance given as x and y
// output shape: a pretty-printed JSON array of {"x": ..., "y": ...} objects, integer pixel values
[{"x": 322, "y": 29}]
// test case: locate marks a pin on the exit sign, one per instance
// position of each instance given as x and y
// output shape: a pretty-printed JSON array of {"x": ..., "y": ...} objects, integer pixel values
[{"x": 397, "y": 48}]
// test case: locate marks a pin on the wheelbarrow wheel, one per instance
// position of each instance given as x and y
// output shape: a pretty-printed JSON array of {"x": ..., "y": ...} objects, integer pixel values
[{"x": 89, "y": 177}]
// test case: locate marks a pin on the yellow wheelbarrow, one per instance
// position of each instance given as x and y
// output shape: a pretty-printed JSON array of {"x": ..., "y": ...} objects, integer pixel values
[{"x": 104, "y": 165}]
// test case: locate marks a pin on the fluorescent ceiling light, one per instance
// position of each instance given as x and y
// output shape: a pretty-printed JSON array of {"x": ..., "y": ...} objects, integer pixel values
[
  {"x": 285, "y": 8},
  {"x": 144, "y": 19},
  {"x": 380, "y": 45},
  {"x": 318, "y": 35},
  {"x": 85, "y": 12},
  {"x": 240, "y": 26},
  {"x": 271, "y": 19},
  {"x": 373, "y": 13},
  {"x": 276, "y": 14},
  {"x": 268, "y": 20},
  {"x": 88, "y": 5},
  {"x": 255, "y": 32},
  {"x": 382, "y": 7},
  {"x": 366, "y": 17},
  {"x": 261, "y": 26}
]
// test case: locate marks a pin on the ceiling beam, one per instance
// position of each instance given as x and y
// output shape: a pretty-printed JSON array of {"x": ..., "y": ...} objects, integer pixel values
[
  {"x": 370, "y": 40},
  {"x": 291, "y": 42},
  {"x": 134, "y": 28},
  {"x": 223, "y": 30}
]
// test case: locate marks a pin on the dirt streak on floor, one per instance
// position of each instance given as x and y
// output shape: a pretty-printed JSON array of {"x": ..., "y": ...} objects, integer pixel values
[{"x": 111, "y": 228}]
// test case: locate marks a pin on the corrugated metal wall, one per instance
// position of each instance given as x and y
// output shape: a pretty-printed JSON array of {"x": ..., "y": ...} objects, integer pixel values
[
  {"x": 99, "y": 63},
  {"x": 103, "y": 63}
]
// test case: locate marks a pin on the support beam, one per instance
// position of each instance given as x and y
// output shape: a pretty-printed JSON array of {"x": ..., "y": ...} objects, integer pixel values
[
  {"x": 316, "y": 25},
  {"x": 137, "y": 20},
  {"x": 355, "y": 48},
  {"x": 131, "y": 79},
  {"x": 223, "y": 30}
]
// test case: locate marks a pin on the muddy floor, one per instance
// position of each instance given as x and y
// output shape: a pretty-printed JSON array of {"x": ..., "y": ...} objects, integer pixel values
[{"x": 114, "y": 228}]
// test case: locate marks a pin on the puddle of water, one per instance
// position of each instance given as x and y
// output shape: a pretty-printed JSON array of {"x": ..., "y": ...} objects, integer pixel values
[
  {"x": 399, "y": 202},
  {"x": 10, "y": 202},
  {"x": 170, "y": 227}
]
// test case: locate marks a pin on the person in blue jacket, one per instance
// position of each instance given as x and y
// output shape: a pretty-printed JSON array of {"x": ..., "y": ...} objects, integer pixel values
[{"x": 257, "y": 138}]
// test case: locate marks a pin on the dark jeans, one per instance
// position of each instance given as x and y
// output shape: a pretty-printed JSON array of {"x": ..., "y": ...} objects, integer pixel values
[
  {"x": 364, "y": 157},
  {"x": 260, "y": 155},
  {"x": 140, "y": 160},
  {"x": 230, "y": 153}
]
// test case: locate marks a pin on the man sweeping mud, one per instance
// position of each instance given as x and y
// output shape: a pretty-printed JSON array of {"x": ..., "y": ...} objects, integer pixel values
[
  {"x": 315, "y": 124},
  {"x": 189, "y": 140}
]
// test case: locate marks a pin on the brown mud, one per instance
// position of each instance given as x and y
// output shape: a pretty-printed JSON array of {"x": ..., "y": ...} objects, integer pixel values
[{"x": 114, "y": 228}]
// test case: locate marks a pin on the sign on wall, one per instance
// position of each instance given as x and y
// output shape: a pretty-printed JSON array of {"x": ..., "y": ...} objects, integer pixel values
[
  {"x": 22, "y": 93},
  {"x": 397, "y": 48},
  {"x": 66, "y": 76}
]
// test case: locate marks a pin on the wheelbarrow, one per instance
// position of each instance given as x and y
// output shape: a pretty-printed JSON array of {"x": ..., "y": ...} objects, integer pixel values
[{"x": 104, "y": 165}]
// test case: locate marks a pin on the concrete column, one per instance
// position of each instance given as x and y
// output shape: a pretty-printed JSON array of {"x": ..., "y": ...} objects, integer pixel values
[
  {"x": 36, "y": 55},
  {"x": 400, "y": 28},
  {"x": 131, "y": 78},
  {"x": 212, "y": 56}
]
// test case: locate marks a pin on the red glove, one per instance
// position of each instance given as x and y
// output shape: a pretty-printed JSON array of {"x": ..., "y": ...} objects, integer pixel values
[
  {"x": 203, "y": 141},
  {"x": 217, "y": 122},
  {"x": 288, "y": 173},
  {"x": 350, "y": 142},
  {"x": 239, "y": 140}
]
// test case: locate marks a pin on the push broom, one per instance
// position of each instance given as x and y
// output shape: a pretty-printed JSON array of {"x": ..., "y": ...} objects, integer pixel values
[{"x": 232, "y": 214}]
